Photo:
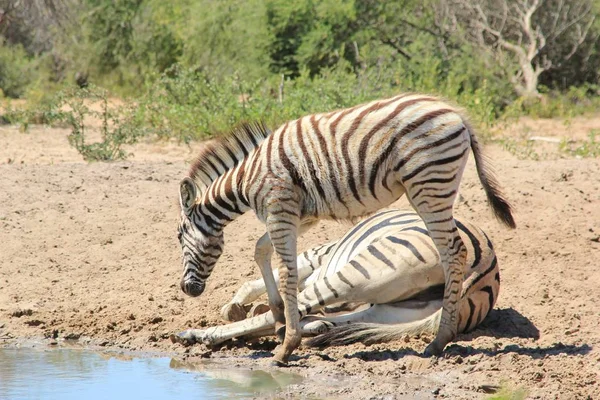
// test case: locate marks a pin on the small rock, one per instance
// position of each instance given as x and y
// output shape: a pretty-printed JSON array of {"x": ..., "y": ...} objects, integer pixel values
[
  {"x": 51, "y": 334},
  {"x": 156, "y": 320},
  {"x": 52, "y": 343},
  {"x": 152, "y": 338},
  {"x": 72, "y": 336},
  {"x": 435, "y": 391},
  {"x": 20, "y": 313},
  {"x": 538, "y": 376},
  {"x": 34, "y": 322},
  {"x": 324, "y": 357},
  {"x": 489, "y": 389}
]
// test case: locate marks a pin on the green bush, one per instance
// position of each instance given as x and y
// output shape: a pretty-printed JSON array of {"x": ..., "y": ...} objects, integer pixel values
[
  {"x": 17, "y": 70},
  {"x": 190, "y": 104},
  {"x": 117, "y": 125},
  {"x": 196, "y": 68},
  {"x": 554, "y": 104}
]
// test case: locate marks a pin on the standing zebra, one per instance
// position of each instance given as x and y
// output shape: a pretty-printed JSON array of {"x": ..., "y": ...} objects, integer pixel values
[
  {"x": 388, "y": 266},
  {"x": 340, "y": 165}
]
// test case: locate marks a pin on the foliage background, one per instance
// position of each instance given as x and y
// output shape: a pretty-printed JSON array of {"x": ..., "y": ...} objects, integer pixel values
[{"x": 194, "y": 68}]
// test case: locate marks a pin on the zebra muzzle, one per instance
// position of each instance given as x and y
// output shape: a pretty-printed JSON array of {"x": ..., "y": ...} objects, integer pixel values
[{"x": 192, "y": 288}]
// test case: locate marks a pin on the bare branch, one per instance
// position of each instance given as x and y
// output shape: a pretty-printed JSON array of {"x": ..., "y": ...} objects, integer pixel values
[{"x": 538, "y": 34}]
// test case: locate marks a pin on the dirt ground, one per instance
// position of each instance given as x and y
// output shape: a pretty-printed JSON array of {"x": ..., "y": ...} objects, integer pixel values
[{"x": 89, "y": 252}]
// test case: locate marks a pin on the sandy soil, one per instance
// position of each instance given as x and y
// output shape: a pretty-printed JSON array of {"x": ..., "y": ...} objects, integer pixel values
[{"x": 89, "y": 252}]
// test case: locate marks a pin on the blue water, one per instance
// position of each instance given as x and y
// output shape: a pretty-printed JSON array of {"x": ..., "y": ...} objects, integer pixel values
[{"x": 65, "y": 374}]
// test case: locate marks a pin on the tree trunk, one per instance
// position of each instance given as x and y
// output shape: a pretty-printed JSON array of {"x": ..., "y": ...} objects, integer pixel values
[{"x": 527, "y": 85}]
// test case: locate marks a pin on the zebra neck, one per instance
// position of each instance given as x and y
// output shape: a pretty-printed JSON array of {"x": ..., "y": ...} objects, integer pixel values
[{"x": 224, "y": 200}]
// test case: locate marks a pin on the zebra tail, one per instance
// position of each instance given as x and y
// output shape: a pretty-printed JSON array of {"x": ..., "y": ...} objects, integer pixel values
[
  {"x": 367, "y": 333},
  {"x": 500, "y": 206}
]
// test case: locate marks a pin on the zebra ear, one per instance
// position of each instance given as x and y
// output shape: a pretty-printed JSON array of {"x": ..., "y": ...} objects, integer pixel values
[{"x": 187, "y": 194}]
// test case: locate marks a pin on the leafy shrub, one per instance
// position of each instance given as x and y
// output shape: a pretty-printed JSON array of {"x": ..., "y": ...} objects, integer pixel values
[
  {"x": 117, "y": 125},
  {"x": 17, "y": 70},
  {"x": 191, "y": 104},
  {"x": 554, "y": 104}
]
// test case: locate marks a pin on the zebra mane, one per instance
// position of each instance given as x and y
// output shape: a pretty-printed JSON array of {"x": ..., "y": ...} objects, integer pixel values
[{"x": 226, "y": 152}]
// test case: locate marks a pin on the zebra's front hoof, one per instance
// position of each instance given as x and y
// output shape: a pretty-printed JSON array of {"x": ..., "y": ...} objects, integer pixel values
[
  {"x": 186, "y": 338},
  {"x": 233, "y": 312},
  {"x": 433, "y": 349},
  {"x": 317, "y": 327}
]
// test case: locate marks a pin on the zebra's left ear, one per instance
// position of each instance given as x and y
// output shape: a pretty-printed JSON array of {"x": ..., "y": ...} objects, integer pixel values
[{"x": 187, "y": 194}]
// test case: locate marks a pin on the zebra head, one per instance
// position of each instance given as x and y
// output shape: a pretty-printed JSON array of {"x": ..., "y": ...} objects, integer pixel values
[{"x": 201, "y": 240}]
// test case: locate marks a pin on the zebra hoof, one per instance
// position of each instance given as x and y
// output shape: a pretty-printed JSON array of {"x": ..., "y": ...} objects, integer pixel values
[
  {"x": 318, "y": 327},
  {"x": 185, "y": 338},
  {"x": 259, "y": 309},
  {"x": 233, "y": 312},
  {"x": 279, "y": 364},
  {"x": 433, "y": 349}
]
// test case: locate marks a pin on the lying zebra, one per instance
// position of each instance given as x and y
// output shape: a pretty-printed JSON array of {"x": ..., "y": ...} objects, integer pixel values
[{"x": 388, "y": 264}]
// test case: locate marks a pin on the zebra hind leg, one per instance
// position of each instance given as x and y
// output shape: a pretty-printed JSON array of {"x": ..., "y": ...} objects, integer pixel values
[{"x": 436, "y": 209}]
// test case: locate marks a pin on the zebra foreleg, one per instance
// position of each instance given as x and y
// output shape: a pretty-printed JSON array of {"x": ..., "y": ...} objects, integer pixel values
[
  {"x": 262, "y": 324},
  {"x": 251, "y": 291}
]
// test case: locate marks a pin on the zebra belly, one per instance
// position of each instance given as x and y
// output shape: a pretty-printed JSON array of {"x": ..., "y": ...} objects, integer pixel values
[
  {"x": 402, "y": 284},
  {"x": 351, "y": 207}
]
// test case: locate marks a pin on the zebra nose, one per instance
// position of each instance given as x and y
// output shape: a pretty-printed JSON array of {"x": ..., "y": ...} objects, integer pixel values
[{"x": 192, "y": 288}]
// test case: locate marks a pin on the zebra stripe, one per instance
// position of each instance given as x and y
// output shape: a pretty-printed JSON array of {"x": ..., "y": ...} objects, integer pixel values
[{"x": 340, "y": 165}]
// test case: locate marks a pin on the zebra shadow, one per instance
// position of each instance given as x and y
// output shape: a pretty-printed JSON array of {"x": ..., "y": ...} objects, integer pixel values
[
  {"x": 504, "y": 323},
  {"x": 500, "y": 323}
]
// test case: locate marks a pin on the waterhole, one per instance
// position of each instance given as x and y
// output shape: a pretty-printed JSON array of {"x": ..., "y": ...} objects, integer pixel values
[{"x": 48, "y": 374}]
